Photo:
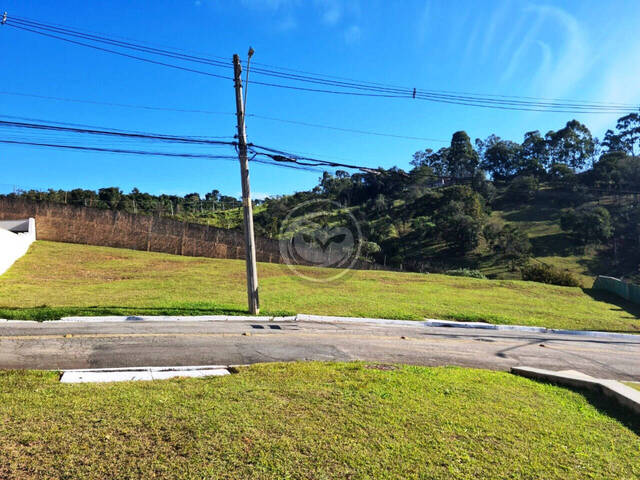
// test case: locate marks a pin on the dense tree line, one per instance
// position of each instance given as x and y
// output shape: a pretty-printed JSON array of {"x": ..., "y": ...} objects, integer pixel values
[
  {"x": 437, "y": 214},
  {"x": 114, "y": 198}
]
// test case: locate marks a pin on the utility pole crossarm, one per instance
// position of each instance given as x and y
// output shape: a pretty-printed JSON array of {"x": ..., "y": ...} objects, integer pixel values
[{"x": 250, "y": 246}]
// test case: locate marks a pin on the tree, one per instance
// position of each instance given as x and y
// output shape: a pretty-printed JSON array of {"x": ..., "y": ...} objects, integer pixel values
[
  {"x": 629, "y": 131},
  {"x": 572, "y": 145},
  {"x": 534, "y": 154},
  {"x": 523, "y": 189},
  {"x": 110, "y": 196},
  {"x": 462, "y": 159},
  {"x": 461, "y": 232},
  {"x": 613, "y": 142},
  {"x": 436, "y": 161},
  {"x": 499, "y": 157},
  {"x": 589, "y": 225},
  {"x": 459, "y": 160},
  {"x": 513, "y": 245},
  {"x": 607, "y": 171}
]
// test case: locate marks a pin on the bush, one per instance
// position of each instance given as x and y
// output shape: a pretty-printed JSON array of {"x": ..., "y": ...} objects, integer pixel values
[
  {"x": 589, "y": 225},
  {"x": 543, "y": 273},
  {"x": 522, "y": 189},
  {"x": 466, "y": 272}
]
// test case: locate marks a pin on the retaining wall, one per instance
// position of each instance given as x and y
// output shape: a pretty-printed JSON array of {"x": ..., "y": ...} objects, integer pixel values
[
  {"x": 628, "y": 291},
  {"x": 112, "y": 228},
  {"x": 15, "y": 238},
  {"x": 93, "y": 226}
]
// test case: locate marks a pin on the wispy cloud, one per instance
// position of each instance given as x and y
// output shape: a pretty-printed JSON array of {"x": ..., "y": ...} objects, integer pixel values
[
  {"x": 497, "y": 19},
  {"x": 423, "y": 22},
  {"x": 270, "y": 4},
  {"x": 545, "y": 64},
  {"x": 525, "y": 43},
  {"x": 352, "y": 34},
  {"x": 573, "y": 58},
  {"x": 331, "y": 11},
  {"x": 619, "y": 84},
  {"x": 287, "y": 23}
]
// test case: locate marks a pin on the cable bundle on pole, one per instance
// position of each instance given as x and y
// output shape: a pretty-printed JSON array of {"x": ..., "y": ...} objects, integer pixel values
[{"x": 270, "y": 156}]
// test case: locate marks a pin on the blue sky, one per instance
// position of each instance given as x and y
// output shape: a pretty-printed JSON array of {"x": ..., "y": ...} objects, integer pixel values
[{"x": 587, "y": 50}]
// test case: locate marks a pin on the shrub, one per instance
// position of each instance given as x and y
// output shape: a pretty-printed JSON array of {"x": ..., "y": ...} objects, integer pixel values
[
  {"x": 466, "y": 272},
  {"x": 543, "y": 273},
  {"x": 522, "y": 189},
  {"x": 589, "y": 225}
]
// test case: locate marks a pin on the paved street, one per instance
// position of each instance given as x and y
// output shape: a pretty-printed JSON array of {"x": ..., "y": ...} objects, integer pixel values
[{"x": 54, "y": 345}]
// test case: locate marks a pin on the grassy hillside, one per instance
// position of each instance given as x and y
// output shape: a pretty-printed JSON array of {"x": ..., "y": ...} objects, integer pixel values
[
  {"x": 550, "y": 244},
  {"x": 57, "y": 279},
  {"x": 312, "y": 420}
]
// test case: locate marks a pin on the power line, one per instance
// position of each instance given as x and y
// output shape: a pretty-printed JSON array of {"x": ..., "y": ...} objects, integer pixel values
[
  {"x": 116, "y": 133},
  {"x": 318, "y": 78},
  {"x": 274, "y": 155},
  {"x": 314, "y": 74},
  {"x": 135, "y": 57},
  {"x": 146, "y": 153},
  {"x": 119, "y": 150},
  {"x": 341, "y": 129},
  {"x": 85, "y": 126},
  {"x": 114, "y": 104},
  {"x": 185, "y": 110},
  {"x": 368, "y": 89}
]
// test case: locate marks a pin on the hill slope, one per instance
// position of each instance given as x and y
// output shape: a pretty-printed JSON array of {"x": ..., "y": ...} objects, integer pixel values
[{"x": 56, "y": 279}]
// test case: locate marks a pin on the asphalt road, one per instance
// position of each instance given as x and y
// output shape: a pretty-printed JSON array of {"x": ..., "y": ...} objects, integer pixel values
[{"x": 56, "y": 345}]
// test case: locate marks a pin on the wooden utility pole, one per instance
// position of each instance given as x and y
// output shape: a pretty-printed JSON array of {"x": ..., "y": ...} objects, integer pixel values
[{"x": 249, "y": 238}]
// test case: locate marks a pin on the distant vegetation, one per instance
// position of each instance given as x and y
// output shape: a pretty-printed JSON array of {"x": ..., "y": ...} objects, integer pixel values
[{"x": 564, "y": 199}]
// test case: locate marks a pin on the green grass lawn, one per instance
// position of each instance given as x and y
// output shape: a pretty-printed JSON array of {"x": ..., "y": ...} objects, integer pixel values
[
  {"x": 58, "y": 279},
  {"x": 312, "y": 420},
  {"x": 635, "y": 385}
]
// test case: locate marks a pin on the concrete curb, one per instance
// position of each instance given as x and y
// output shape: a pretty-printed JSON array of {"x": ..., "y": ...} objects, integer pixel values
[
  {"x": 626, "y": 396},
  {"x": 331, "y": 319}
]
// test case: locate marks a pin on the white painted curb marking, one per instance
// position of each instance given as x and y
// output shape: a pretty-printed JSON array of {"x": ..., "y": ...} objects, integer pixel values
[{"x": 140, "y": 373}]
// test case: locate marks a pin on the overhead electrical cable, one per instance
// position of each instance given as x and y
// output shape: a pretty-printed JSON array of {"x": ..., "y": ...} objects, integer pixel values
[
  {"x": 249, "y": 115},
  {"x": 211, "y": 58},
  {"x": 341, "y": 129},
  {"x": 85, "y": 126},
  {"x": 123, "y": 54},
  {"x": 368, "y": 89},
  {"x": 275, "y": 155},
  {"x": 146, "y": 153},
  {"x": 316, "y": 78},
  {"x": 116, "y": 133},
  {"x": 114, "y": 104}
]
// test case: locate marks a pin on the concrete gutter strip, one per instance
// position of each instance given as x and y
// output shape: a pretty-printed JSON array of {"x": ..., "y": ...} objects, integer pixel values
[
  {"x": 378, "y": 321},
  {"x": 140, "y": 373},
  {"x": 624, "y": 395},
  {"x": 454, "y": 324},
  {"x": 331, "y": 319}
]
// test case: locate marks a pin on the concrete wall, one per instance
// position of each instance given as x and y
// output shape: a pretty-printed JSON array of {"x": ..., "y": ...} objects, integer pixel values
[
  {"x": 15, "y": 238},
  {"x": 628, "y": 291}
]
